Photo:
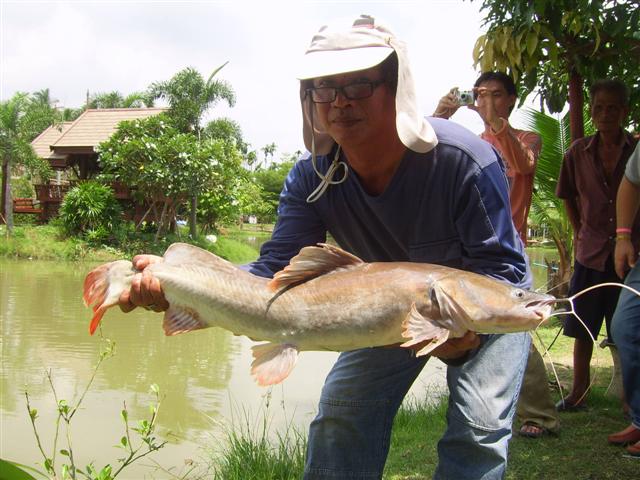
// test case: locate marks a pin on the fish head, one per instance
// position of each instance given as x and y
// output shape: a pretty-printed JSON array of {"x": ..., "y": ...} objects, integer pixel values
[{"x": 486, "y": 305}]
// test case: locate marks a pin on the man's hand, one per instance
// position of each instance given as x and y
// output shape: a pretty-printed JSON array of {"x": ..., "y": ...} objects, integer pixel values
[
  {"x": 456, "y": 347},
  {"x": 624, "y": 256},
  {"x": 145, "y": 288},
  {"x": 486, "y": 108},
  {"x": 447, "y": 106}
]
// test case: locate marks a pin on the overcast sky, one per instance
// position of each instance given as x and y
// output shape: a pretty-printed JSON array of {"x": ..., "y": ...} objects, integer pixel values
[{"x": 74, "y": 46}]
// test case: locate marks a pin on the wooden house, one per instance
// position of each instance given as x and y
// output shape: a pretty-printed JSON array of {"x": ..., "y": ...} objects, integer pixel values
[{"x": 70, "y": 150}]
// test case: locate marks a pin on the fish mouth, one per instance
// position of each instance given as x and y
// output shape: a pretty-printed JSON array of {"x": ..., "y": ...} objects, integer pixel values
[
  {"x": 548, "y": 302},
  {"x": 542, "y": 309}
]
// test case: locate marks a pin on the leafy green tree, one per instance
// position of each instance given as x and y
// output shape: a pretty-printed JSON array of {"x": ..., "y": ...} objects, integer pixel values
[
  {"x": 21, "y": 120},
  {"x": 557, "y": 47},
  {"x": 189, "y": 97},
  {"x": 165, "y": 165},
  {"x": 226, "y": 129},
  {"x": 271, "y": 181},
  {"x": 232, "y": 195}
]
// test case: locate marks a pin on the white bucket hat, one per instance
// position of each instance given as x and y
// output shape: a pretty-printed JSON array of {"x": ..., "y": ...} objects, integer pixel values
[{"x": 349, "y": 47}]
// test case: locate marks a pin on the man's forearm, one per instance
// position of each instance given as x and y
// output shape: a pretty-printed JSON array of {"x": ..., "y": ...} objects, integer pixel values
[{"x": 627, "y": 203}]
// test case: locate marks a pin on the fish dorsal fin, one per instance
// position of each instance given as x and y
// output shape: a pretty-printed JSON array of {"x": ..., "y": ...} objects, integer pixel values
[
  {"x": 312, "y": 262},
  {"x": 183, "y": 254}
]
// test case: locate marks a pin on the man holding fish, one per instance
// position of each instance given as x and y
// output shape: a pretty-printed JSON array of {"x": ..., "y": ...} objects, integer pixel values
[{"x": 392, "y": 186}]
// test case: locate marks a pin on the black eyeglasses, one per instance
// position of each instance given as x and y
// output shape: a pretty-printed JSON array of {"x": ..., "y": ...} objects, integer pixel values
[{"x": 353, "y": 91}]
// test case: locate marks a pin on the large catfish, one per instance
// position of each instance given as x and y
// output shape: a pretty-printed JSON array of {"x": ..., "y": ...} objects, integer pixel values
[{"x": 325, "y": 299}]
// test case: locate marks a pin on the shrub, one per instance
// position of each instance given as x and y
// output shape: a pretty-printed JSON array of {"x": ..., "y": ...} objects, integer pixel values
[{"x": 91, "y": 210}]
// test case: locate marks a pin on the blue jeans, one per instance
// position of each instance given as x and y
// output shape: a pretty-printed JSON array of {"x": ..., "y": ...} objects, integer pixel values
[
  {"x": 349, "y": 438},
  {"x": 625, "y": 329}
]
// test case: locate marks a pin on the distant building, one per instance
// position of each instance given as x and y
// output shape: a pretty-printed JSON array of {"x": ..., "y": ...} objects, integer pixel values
[{"x": 70, "y": 149}]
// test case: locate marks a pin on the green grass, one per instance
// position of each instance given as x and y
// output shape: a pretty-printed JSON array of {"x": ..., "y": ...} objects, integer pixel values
[
  {"x": 47, "y": 242},
  {"x": 250, "y": 452}
]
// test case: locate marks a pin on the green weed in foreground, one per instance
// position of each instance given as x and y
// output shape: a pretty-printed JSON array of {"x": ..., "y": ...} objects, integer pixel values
[
  {"x": 59, "y": 455},
  {"x": 251, "y": 454}
]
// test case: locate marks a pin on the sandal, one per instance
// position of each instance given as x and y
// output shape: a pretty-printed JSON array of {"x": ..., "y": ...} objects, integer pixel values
[{"x": 531, "y": 430}]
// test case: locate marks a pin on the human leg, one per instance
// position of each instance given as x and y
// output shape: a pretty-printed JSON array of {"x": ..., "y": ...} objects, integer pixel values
[
  {"x": 535, "y": 409},
  {"x": 582, "y": 353},
  {"x": 349, "y": 438},
  {"x": 625, "y": 329},
  {"x": 591, "y": 310},
  {"x": 482, "y": 398}
]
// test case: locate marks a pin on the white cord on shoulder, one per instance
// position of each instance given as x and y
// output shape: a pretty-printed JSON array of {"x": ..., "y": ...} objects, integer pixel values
[{"x": 326, "y": 179}]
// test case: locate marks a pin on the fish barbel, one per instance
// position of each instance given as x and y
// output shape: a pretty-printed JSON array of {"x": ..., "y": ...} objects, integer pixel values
[{"x": 325, "y": 299}]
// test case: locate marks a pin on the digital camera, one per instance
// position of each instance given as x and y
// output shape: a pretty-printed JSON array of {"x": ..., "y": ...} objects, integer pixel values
[{"x": 464, "y": 97}]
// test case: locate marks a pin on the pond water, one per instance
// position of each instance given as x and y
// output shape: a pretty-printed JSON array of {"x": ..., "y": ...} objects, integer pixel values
[{"x": 204, "y": 376}]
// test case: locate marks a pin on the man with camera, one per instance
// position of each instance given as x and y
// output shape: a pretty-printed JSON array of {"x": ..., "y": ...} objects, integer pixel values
[{"x": 494, "y": 96}]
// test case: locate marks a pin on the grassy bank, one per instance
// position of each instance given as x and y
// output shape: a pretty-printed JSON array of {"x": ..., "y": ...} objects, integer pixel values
[
  {"x": 47, "y": 242},
  {"x": 579, "y": 451}
]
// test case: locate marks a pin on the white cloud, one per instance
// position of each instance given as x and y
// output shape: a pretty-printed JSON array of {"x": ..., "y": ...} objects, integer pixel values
[{"x": 74, "y": 46}]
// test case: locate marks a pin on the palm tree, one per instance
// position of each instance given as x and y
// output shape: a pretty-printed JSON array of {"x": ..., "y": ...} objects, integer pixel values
[
  {"x": 43, "y": 97},
  {"x": 546, "y": 208},
  {"x": 189, "y": 97},
  {"x": 115, "y": 99},
  {"x": 20, "y": 123},
  {"x": 269, "y": 150}
]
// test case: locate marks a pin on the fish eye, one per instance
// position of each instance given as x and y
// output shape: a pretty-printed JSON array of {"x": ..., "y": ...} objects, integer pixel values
[{"x": 518, "y": 293}]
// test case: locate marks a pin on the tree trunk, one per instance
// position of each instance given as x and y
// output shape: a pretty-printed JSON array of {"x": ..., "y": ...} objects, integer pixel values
[
  {"x": 559, "y": 287},
  {"x": 576, "y": 105},
  {"x": 193, "y": 230},
  {"x": 7, "y": 204},
  {"x": 161, "y": 223}
]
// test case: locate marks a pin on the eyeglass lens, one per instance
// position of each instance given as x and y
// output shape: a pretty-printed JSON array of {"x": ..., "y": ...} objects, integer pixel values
[{"x": 353, "y": 91}]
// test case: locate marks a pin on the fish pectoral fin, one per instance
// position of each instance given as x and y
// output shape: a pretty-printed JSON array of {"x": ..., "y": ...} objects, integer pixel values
[
  {"x": 420, "y": 329},
  {"x": 180, "y": 319},
  {"x": 273, "y": 362}
]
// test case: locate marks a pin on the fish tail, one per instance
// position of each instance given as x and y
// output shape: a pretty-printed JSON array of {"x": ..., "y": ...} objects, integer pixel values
[
  {"x": 103, "y": 286},
  {"x": 95, "y": 285},
  {"x": 97, "y": 317}
]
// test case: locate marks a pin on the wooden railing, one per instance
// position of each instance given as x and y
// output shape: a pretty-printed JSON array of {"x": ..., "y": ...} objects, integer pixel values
[
  {"x": 51, "y": 192},
  {"x": 50, "y": 196},
  {"x": 26, "y": 205}
]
